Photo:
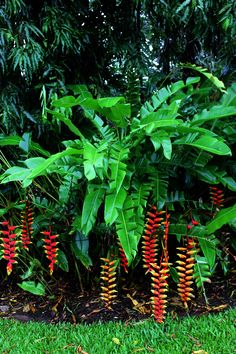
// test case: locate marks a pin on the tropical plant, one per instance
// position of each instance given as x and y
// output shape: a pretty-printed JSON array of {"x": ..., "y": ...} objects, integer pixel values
[{"x": 118, "y": 166}]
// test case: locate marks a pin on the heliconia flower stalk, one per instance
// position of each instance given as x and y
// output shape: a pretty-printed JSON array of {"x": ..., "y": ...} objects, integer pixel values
[
  {"x": 217, "y": 197},
  {"x": 108, "y": 280},
  {"x": 160, "y": 275},
  {"x": 9, "y": 244},
  {"x": 26, "y": 225},
  {"x": 166, "y": 224},
  {"x": 149, "y": 243},
  {"x": 185, "y": 270},
  {"x": 51, "y": 249},
  {"x": 123, "y": 260}
]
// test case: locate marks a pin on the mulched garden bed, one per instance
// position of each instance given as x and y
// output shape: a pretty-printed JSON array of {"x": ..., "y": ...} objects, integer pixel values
[{"x": 133, "y": 304}]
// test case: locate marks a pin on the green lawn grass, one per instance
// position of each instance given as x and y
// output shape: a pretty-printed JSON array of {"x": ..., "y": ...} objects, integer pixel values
[{"x": 214, "y": 334}]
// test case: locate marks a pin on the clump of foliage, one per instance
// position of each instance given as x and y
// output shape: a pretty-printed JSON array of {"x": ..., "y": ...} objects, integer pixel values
[{"x": 104, "y": 180}]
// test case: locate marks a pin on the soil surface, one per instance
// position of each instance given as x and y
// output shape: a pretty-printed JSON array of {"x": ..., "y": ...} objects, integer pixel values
[{"x": 133, "y": 303}]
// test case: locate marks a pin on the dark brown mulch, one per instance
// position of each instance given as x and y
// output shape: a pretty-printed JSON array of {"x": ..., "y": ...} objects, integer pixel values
[{"x": 133, "y": 303}]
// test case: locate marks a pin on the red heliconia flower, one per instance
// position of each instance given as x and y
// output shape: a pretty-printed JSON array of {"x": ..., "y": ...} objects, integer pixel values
[
  {"x": 217, "y": 197},
  {"x": 192, "y": 224},
  {"x": 108, "y": 279},
  {"x": 160, "y": 275},
  {"x": 185, "y": 270},
  {"x": 9, "y": 244},
  {"x": 149, "y": 243},
  {"x": 51, "y": 248},
  {"x": 123, "y": 259},
  {"x": 26, "y": 225}
]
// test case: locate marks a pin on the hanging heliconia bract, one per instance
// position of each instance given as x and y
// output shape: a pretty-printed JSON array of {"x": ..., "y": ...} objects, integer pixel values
[
  {"x": 185, "y": 270},
  {"x": 217, "y": 197},
  {"x": 123, "y": 260},
  {"x": 159, "y": 289},
  {"x": 26, "y": 225},
  {"x": 51, "y": 248},
  {"x": 108, "y": 280},
  {"x": 160, "y": 274},
  {"x": 9, "y": 244},
  {"x": 149, "y": 243}
]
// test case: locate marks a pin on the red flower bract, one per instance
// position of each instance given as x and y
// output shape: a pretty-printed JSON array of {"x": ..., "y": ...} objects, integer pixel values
[
  {"x": 149, "y": 243},
  {"x": 217, "y": 197},
  {"x": 51, "y": 248},
  {"x": 9, "y": 245},
  {"x": 123, "y": 260}
]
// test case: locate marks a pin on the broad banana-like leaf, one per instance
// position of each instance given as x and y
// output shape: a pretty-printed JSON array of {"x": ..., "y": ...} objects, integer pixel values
[
  {"x": 206, "y": 143},
  {"x": 215, "y": 112},
  {"x": 113, "y": 203},
  {"x": 125, "y": 227},
  {"x": 93, "y": 200},
  {"x": 93, "y": 160},
  {"x": 218, "y": 83},
  {"x": 223, "y": 217},
  {"x": 15, "y": 141}
]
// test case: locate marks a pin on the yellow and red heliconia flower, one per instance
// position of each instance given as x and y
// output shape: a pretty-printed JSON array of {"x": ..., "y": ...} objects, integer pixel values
[
  {"x": 9, "y": 244},
  {"x": 51, "y": 248},
  {"x": 217, "y": 197},
  {"x": 185, "y": 270},
  {"x": 26, "y": 225},
  {"x": 108, "y": 278},
  {"x": 160, "y": 275},
  {"x": 149, "y": 243}
]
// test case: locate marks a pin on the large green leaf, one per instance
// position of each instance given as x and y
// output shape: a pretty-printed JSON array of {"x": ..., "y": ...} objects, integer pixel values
[
  {"x": 164, "y": 117},
  {"x": 80, "y": 248},
  {"x": 15, "y": 173},
  {"x": 161, "y": 139},
  {"x": 114, "y": 202},
  {"x": 16, "y": 140},
  {"x": 223, "y": 217},
  {"x": 162, "y": 95},
  {"x": 33, "y": 288},
  {"x": 113, "y": 108},
  {"x": 62, "y": 261},
  {"x": 208, "y": 246},
  {"x": 66, "y": 102},
  {"x": 93, "y": 160},
  {"x": 207, "y": 143},
  {"x": 93, "y": 199},
  {"x": 218, "y": 83},
  {"x": 42, "y": 167},
  {"x": 213, "y": 113},
  {"x": 125, "y": 227}
]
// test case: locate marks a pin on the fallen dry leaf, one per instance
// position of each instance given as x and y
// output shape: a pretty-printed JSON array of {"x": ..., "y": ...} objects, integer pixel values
[
  {"x": 29, "y": 308},
  {"x": 218, "y": 308},
  {"x": 80, "y": 350},
  {"x": 199, "y": 352},
  {"x": 138, "y": 306}
]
